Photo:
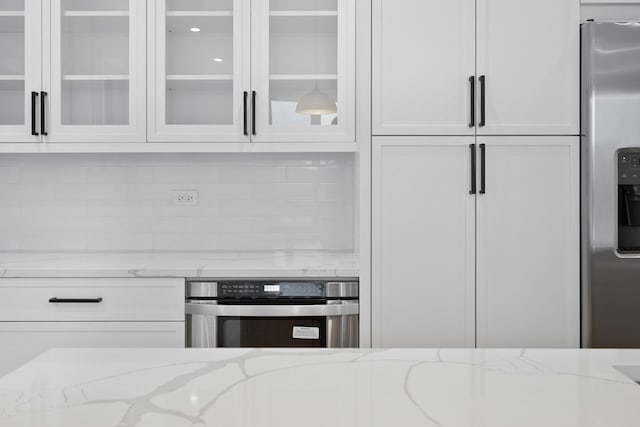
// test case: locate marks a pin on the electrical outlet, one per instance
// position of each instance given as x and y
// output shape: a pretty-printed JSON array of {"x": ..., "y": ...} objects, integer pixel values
[{"x": 185, "y": 197}]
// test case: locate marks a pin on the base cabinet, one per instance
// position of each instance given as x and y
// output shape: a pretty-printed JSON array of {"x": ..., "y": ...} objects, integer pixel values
[
  {"x": 22, "y": 341},
  {"x": 423, "y": 243},
  {"x": 528, "y": 237},
  {"x": 39, "y": 314},
  {"x": 475, "y": 242}
]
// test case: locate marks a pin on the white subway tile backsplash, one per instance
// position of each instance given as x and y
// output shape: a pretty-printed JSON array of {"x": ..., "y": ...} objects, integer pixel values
[
  {"x": 9, "y": 208},
  {"x": 124, "y": 202},
  {"x": 119, "y": 241},
  {"x": 106, "y": 174},
  {"x": 9, "y": 174},
  {"x": 208, "y": 224},
  {"x": 252, "y": 174}
]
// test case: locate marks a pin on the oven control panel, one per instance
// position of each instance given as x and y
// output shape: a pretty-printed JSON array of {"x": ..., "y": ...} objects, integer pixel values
[{"x": 271, "y": 290}]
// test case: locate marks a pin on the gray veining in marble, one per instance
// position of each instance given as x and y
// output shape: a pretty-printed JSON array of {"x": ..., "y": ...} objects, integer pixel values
[{"x": 340, "y": 387}]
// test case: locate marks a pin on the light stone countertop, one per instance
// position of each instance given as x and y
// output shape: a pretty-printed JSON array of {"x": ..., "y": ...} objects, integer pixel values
[
  {"x": 181, "y": 264},
  {"x": 336, "y": 388}
]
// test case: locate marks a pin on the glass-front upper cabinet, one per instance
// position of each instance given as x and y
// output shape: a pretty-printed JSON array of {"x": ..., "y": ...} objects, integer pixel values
[
  {"x": 198, "y": 76},
  {"x": 97, "y": 75},
  {"x": 20, "y": 70},
  {"x": 303, "y": 70}
]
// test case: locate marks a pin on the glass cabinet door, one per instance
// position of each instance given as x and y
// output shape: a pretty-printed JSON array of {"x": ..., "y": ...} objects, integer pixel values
[
  {"x": 20, "y": 70},
  {"x": 303, "y": 70},
  {"x": 198, "y": 70},
  {"x": 97, "y": 71}
]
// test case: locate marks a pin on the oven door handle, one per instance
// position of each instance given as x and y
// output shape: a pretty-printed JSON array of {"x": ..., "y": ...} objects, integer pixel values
[{"x": 273, "y": 310}]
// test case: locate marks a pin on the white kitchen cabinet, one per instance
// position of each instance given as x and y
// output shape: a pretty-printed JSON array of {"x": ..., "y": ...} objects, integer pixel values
[
  {"x": 41, "y": 313},
  {"x": 240, "y": 71},
  {"x": 526, "y": 69},
  {"x": 95, "y": 71},
  {"x": 303, "y": 71},
  {"x": 498, "y": 268},
  {"x": 423, "y": 243},
  {"x": 530, "y": 65},
  {"x": 528, "y": 284},
  {"x": 22, "y": 341},
  {"x": 199, "y": 70},
  {"x": 422, "y": 62},
  {"x": 20, "y": 70}
]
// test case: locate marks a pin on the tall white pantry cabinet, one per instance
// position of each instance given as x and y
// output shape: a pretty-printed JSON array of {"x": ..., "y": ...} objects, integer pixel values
[{"x": 475, "y": 192}]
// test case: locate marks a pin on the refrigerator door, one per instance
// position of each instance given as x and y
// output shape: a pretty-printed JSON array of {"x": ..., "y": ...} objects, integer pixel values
[{"x": 610, "y": 184}]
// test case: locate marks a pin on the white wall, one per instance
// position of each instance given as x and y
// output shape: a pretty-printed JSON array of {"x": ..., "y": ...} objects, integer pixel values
[{"x": 125, "y": 202}]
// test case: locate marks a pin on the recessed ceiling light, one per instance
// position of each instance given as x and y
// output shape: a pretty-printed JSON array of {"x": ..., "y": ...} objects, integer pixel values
[
  {"x": 194, "y": 29},
  {"x": 218, "y": 59}
]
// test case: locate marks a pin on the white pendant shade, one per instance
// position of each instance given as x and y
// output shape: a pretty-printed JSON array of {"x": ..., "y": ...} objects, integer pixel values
[{"x": 316, "y": 103}]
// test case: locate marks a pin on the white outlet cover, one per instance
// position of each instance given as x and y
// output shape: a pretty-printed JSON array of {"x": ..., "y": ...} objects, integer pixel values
[{"x": 185, "y": 197}]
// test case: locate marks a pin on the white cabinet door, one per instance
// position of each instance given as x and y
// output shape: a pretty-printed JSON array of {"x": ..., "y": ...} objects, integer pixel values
[
  {"x": 20, "y": 70},
  {"x": 423, "y": 242},
  {"x": 95, "y": 71},
  {"x": 423, "y": 57},
  {"x": 22, "y": 341},
  {"x": 303, "y": 71},
  {"x": 528, "y": 51},
  {"x": 199, "y": 73},
  {"x": 528, "y": 237}
]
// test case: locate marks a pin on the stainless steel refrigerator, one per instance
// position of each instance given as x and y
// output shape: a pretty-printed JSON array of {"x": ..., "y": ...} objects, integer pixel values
[{"x": 611, "y": 184}]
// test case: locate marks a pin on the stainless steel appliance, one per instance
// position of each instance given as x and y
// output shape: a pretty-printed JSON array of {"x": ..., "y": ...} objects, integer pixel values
[
  {"x": 267, "y": 313},
  {"x": 611, "y": 184}
]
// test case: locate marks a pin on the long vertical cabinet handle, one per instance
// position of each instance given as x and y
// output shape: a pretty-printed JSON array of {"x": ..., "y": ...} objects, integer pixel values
[
  {"x": 43, "y": 113},
  {"x": 482, "y": 168},
  {"x": 472, "y": 148},
  {"x": 246, "y": 120},
  {"x": 253, "y": 112},
  {"x": 472, "y": 116},
  {"x": 482, "y": 100},
  {"x": 34, "y": 100}
]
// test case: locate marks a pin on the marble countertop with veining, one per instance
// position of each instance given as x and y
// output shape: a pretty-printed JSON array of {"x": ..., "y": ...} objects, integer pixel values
[
  {"x": 181, "y": 264},
  {"x": 336, "y": 388}
]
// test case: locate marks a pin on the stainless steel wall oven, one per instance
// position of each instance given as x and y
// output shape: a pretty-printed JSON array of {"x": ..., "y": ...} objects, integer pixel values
[{"x": 272, "y": 313}]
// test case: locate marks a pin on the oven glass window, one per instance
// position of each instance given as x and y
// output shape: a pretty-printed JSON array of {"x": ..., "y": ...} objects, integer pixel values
[{"x": 272, "y": 331}]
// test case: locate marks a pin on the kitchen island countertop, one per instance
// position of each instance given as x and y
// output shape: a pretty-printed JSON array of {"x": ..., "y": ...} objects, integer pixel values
[{"x": 296, "y": 387}]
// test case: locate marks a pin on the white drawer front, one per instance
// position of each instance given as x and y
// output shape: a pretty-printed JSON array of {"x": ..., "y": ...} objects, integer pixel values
[
  {"x": 119, "y": 299},
  {"x": 23, "y": 341}
]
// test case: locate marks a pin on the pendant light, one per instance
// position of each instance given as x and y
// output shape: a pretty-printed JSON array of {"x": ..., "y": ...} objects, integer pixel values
[{"x": 316, "y": 102}]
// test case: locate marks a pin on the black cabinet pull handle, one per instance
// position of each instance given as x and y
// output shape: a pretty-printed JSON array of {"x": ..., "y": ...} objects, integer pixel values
[
  {"x": 472, "y": 83},
  {"x": 482, "y": 168},
  {"x": 253, "y": 112},
  {"x": 55, "y": 300},
  {"x": 43, "y": 113},
  {"x": 34, "y": 99},
  {"x": 246, "y": 121},
  {"x": 472, "y": 148},
  {"x": 482, "y": 100}
]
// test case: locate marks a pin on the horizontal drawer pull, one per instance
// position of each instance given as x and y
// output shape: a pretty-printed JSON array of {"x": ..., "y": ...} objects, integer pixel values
[{"x": 55, "y": 300}]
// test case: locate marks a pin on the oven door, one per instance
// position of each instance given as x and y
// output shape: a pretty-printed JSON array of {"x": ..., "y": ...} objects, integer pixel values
[{"x": 325, "y": 325}]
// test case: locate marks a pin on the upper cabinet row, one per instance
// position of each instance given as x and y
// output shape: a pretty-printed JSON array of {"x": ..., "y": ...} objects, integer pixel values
[
  {"x": 177, "y": 71},
  {"x": 485, "y": 67}
]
